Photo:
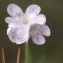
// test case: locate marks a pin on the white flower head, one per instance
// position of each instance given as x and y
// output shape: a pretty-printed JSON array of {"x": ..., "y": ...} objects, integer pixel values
[{"x": 19, "y": 23}]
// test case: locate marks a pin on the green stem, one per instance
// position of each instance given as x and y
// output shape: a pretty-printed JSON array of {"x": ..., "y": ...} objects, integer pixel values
[{"x": 26, "y": 53}]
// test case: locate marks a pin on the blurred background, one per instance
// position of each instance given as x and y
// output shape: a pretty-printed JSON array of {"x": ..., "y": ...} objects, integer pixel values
[{"x": 52, "y": 50}]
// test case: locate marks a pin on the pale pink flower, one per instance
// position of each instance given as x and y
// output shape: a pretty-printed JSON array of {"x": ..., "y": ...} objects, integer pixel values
[{"x": 20, "y": 25}]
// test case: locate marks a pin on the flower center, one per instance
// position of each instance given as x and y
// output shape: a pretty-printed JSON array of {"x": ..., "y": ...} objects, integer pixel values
[{"x": 24, "y": 20}]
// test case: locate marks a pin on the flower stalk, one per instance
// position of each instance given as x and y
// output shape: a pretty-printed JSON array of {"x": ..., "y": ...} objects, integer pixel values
[{"x": 26, "y": 53}]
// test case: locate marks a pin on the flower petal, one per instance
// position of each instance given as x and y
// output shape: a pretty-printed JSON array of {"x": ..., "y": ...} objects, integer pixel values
[
  {"x": 12, "y": 35},
  {"x": 33, "y": 10},
  {"x": 13, "y": 25},
  {"x": 17, "y": 37},
  {"x": 10, "y": 20},
  {"x": 46, "y": 30},
  {"x": 38, "y": 39},
  {"x": 40, "y": 29},
  {"x": 40, "y": 19},
  {"x": 8, "y": 30},
  {"x": 24, "y": 31},
  {"x": 14, "y": 10}
]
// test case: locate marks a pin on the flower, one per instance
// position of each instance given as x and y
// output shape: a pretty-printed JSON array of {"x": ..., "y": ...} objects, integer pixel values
[
  {"x": 36, "y": 33},
  {"x": 20, "y": 25}
]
